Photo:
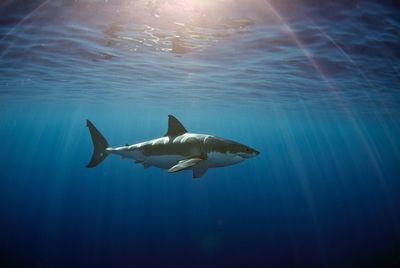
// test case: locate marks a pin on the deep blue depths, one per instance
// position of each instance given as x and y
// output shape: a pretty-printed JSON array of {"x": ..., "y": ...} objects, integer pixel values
[{"x": 319, "y": 99}]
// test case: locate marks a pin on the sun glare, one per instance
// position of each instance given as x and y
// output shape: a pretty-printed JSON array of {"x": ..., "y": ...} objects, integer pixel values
[{"x": 184, "y": 10}]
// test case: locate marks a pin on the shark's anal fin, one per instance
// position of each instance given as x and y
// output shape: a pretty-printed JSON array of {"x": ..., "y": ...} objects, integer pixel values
[
  {"x": 175, "y": 128},
  {"x": 184, "y": 164},
  {"x": 199, "y": 170}
]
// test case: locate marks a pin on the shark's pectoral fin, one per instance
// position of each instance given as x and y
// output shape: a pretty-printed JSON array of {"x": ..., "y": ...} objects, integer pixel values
[
  {"x": 199, "y": 170},
  {"x": 184, "y": 164}
]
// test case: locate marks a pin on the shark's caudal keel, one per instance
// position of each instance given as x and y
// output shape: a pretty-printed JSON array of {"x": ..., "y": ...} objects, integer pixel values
[{"x": 177, "y": 150}]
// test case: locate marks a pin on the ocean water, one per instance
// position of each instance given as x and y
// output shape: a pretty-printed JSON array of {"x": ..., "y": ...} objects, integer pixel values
[{"x": 313, "y": 85}]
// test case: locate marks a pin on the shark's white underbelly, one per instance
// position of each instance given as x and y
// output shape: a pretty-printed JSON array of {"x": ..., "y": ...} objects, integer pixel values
[
  {"x": 216, "y": 159},
  {"x": 163, "y": 161}
]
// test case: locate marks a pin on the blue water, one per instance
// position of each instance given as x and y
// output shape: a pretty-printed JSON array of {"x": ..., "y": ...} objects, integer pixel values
[{"x": 314, "y": 86}]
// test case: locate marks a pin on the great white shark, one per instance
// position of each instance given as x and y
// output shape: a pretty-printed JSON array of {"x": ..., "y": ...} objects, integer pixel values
[{"x": 177, "y": 150}]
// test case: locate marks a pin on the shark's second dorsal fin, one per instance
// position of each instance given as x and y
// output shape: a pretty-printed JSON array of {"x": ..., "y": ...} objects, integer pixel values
[{"x": 175, "y": 128}]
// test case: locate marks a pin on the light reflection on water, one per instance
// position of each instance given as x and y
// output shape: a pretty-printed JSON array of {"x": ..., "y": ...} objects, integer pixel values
[{"x": 267, "y": 52}]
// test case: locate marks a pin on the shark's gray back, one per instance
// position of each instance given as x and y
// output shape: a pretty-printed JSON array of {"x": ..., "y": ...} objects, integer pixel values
[{"x": 186, "y": 145}]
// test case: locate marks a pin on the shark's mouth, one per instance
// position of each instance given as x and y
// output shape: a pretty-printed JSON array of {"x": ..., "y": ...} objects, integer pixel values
[
  {"x": 244, "y": 155},
  {"x": 247, "y": 155}
]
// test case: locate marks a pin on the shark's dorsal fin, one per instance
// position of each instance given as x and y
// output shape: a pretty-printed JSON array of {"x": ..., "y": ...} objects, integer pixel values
[{"x": 175, "y": 128}]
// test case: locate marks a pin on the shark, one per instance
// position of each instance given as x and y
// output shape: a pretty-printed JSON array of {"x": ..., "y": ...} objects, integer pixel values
[{"x": 175, "y": 151}]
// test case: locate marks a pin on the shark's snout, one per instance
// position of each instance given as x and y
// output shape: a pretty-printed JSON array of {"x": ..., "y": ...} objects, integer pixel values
[{"x": 253, "y": 152}]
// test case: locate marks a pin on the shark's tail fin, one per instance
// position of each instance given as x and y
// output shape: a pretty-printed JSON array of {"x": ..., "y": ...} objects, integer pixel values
[{"x": 99, "y": 146}]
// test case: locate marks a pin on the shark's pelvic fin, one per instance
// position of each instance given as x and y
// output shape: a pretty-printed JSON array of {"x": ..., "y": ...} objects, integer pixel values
[
  {"x": 175, "y": 128},
  {"x": 184, "y": 164},
  {"x": 146, "y": 165}
]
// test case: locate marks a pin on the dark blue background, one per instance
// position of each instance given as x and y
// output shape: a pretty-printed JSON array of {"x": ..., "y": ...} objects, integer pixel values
[{"x": 320, "y": 194}]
